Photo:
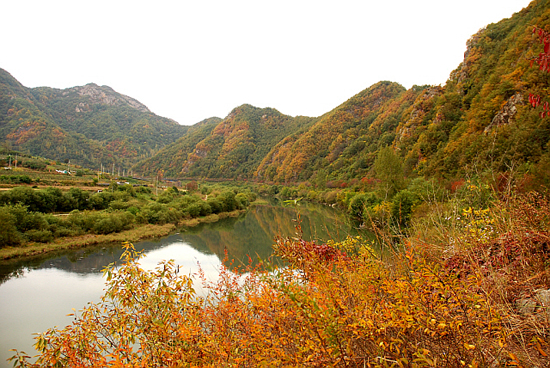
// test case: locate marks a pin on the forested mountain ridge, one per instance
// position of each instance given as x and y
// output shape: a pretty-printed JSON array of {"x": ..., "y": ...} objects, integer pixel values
[
  {"x": 480, "y": 119},
  {"x": 229, "y": 149},
  {"x": 90, "y": 125},
  {"x": 317, "y": 148},
  {"x": 169, "y": 160}
]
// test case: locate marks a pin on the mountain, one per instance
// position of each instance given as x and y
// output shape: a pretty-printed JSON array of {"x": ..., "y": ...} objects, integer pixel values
[
  {"x": 90, "y": 125},
  {"x": 230, "y": 148},
  {"x": 479, "y": 120}
]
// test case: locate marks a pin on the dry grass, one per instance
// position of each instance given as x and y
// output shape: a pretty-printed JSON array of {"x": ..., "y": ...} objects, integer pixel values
[
  {"x": 133, "y": 235},
  {"x": 507, "y": 247}
]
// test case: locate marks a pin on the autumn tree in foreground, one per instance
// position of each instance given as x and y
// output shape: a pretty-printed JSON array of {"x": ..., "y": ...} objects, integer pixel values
[
  {"x": 334, "y": 305},
  {"x": 543, "y": 61}
]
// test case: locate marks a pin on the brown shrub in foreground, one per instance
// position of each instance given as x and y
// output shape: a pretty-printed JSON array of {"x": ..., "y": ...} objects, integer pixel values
[{"x": 335, "y": 304}]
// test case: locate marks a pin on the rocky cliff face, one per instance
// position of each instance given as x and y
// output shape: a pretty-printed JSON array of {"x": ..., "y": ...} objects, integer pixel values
[{"x": 105, "y": 95}]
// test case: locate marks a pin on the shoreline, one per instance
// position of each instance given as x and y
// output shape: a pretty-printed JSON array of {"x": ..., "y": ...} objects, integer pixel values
[{"x": 140, "y": 232}]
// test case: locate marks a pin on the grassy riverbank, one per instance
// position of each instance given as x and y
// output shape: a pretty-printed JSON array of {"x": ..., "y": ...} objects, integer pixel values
[
  {"x": 136, "y": 234},
  {"x": 36, "y": 221}
]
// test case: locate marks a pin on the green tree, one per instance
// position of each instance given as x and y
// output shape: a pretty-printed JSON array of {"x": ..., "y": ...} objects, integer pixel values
[
  {"x": 389, "y": 169},
  {"x": 9, "y": 235}
]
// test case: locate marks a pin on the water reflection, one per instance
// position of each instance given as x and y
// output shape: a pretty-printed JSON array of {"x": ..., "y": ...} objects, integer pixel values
[
  {"x": 37, "y": 293},
  {"x": 254, "y": 234}
]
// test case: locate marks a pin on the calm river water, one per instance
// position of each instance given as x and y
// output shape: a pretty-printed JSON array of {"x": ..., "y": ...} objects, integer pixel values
[{"x": 37, "y": 294}]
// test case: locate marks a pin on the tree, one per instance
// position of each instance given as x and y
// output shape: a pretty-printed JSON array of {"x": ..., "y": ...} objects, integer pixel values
[
  {"x": 9, "y": 235},
  {"x": 389, "y": 168},
  {"x": 192, "y": 186},
  {"x": 543, "y": 61}
]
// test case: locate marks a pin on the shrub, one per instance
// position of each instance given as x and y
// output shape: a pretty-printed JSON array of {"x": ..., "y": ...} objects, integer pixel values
[
  {"x": 101, "y": 200},
  {"x": 326, "y": 308},
  {"x": 228, "y": 201},
  {"x": 118, "y": 204},
  {"x": 9, "y": 236},
  {"x": 128, "y": 189},
  {"x": 402, "y": 207},
  {"x": 78, "y": 199},
  {"x": 360, "y": 203},
  {"x": 194, "y": 209},
  {"x": 242, "y": 200},
  {"x": 158, "y": 213},
  {"x": 26, "y": 220},
  {"x": 107, "y": 223},
  {"x": 251, "y": 196},
  {"x": 143, "y": 190},
  {"x": 133, "y": 210},
  {"x": 40, "y": 236},
  {"x": 215, "y": 205}
]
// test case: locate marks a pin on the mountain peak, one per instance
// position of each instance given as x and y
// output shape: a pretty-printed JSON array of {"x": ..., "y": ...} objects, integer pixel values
[{"x": 106, "y": 95}]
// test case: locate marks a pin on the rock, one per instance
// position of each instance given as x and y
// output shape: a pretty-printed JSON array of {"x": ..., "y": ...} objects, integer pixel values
[
  {"x": 538, "y": 305},
  {"x": 105, "y": 95},
  {"x": 507, "y": 113},
  {"x": 526, "y": 306},
  {"x": 543, "y": 298}
]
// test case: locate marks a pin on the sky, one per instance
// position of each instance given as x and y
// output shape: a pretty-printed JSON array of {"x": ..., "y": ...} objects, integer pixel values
[{"x": 191, "y": 60}]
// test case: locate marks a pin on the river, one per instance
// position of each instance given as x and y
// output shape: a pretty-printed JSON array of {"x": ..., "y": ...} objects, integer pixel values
[{"x": 38, "y": 293}]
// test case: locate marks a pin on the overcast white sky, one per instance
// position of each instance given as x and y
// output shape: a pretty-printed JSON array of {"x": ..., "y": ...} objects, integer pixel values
[{"x": 190, "y": 60}]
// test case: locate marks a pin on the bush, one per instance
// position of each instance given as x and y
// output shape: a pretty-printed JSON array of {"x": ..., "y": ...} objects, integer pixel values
[
  {"x": 251, "y": 196},
  {"x": 78, "y": 199},
  {"x": 427, "y": 190},
  {"x": 194, "y": 210},
  {"x": 118, "y": 204},
  {"x": 143, "y": 190},
  {"x": 107, "y": 223},
  {"x": 26, "y": 220},
  {"x": 242, "y": 200},
  {"x": 40, "y": 236},
  {"x": 9, "y": 236},
  {"x": 133, "y": 210},
  {"x": 324, "y": 309},
  {"x": 215, "y": 205},
  {"x": 228, "y": 201},
  {"x": 128, "y": 189},
  {"x": 360, "y": 203},
  {"x": 402, "y": 207},
  {"x": 15, "y": 179},
  {"x": 101, "y": 200},
  {"x": 158, "y": 213}
]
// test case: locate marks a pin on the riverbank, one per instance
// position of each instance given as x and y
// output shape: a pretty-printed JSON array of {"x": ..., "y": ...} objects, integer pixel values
[{"x": 138, "y": 233}]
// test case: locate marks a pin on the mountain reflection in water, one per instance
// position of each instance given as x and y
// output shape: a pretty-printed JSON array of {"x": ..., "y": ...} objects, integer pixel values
[{"x": 252, "y": 234}]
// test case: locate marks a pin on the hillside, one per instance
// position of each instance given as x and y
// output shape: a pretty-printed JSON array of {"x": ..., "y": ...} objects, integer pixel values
[
  {"x": 89, "y": 125},
  {"x": 229, "y": 148},
  {"x": 480, "y": 119}
]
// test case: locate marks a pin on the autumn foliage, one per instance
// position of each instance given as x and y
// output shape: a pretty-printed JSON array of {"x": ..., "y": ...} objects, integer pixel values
[
  {"x": 543, "y": 61},
  {"x": 334, "y": 304}
]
